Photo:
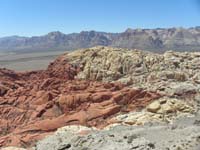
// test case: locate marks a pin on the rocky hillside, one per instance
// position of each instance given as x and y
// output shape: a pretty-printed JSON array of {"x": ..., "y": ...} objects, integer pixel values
[
  {"x": 135, "y": 67},
  {"x": 35, "y": 104},
  {"x": 157, "y": 40},
  {"x": 104, "y": 98}
]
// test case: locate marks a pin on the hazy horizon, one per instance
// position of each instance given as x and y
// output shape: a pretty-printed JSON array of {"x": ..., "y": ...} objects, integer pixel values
[{"x": 100, "y": 31}]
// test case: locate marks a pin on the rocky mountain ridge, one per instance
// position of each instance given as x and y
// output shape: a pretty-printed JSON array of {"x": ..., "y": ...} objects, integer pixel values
[
  {"x": 103, "y": 98},
  {"x": 34, "y": 104},
  {"x": 156, "y": 40}
]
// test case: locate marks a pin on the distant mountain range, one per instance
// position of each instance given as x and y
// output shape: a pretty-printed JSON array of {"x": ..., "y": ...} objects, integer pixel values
[{"x": 159, "y": 39}]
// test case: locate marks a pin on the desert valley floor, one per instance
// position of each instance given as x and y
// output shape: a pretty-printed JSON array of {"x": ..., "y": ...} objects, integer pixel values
[{"x": 27, "y": 61}]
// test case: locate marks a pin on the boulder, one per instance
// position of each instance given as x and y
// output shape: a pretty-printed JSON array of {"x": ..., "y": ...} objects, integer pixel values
[{"x": 154, "y": 107}]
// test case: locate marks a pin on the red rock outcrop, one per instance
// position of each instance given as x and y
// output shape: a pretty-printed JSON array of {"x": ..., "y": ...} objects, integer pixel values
[{"x": 34, "y": 104}]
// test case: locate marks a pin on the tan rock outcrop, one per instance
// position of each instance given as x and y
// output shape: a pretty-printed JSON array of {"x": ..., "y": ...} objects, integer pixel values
[
  {"x": 164, "y": 109},
  {"x": 137, "y": 68},
  {"x": 154, "y": 107}
]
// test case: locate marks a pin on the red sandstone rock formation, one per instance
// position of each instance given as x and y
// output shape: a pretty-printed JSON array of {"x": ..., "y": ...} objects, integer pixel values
[{"x": 34, "y": 104}]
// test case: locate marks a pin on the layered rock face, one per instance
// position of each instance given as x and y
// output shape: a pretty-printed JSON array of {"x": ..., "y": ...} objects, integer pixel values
[
  {"x": 37, "y": 103},
  {"x": 99, "y": 88}
]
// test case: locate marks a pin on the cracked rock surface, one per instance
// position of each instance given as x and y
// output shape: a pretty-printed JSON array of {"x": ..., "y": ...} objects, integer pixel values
[{"x": 103, "y": 98}]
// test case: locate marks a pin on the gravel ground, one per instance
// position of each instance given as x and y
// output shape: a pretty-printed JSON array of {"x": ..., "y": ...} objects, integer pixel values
[{"x": 183, "y": 134}]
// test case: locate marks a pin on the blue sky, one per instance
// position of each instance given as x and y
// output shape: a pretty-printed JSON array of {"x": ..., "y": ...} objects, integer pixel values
[{"x": 38, "y": 17}]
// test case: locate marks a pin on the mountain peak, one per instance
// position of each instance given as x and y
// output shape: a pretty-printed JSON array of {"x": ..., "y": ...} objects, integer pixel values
[
  {"x": 129, "y": 30},
  {"x": 55, "y": 33}
]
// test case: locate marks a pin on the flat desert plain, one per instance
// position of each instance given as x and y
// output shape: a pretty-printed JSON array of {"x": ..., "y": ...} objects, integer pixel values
[{"x": 27, "y": 61}]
